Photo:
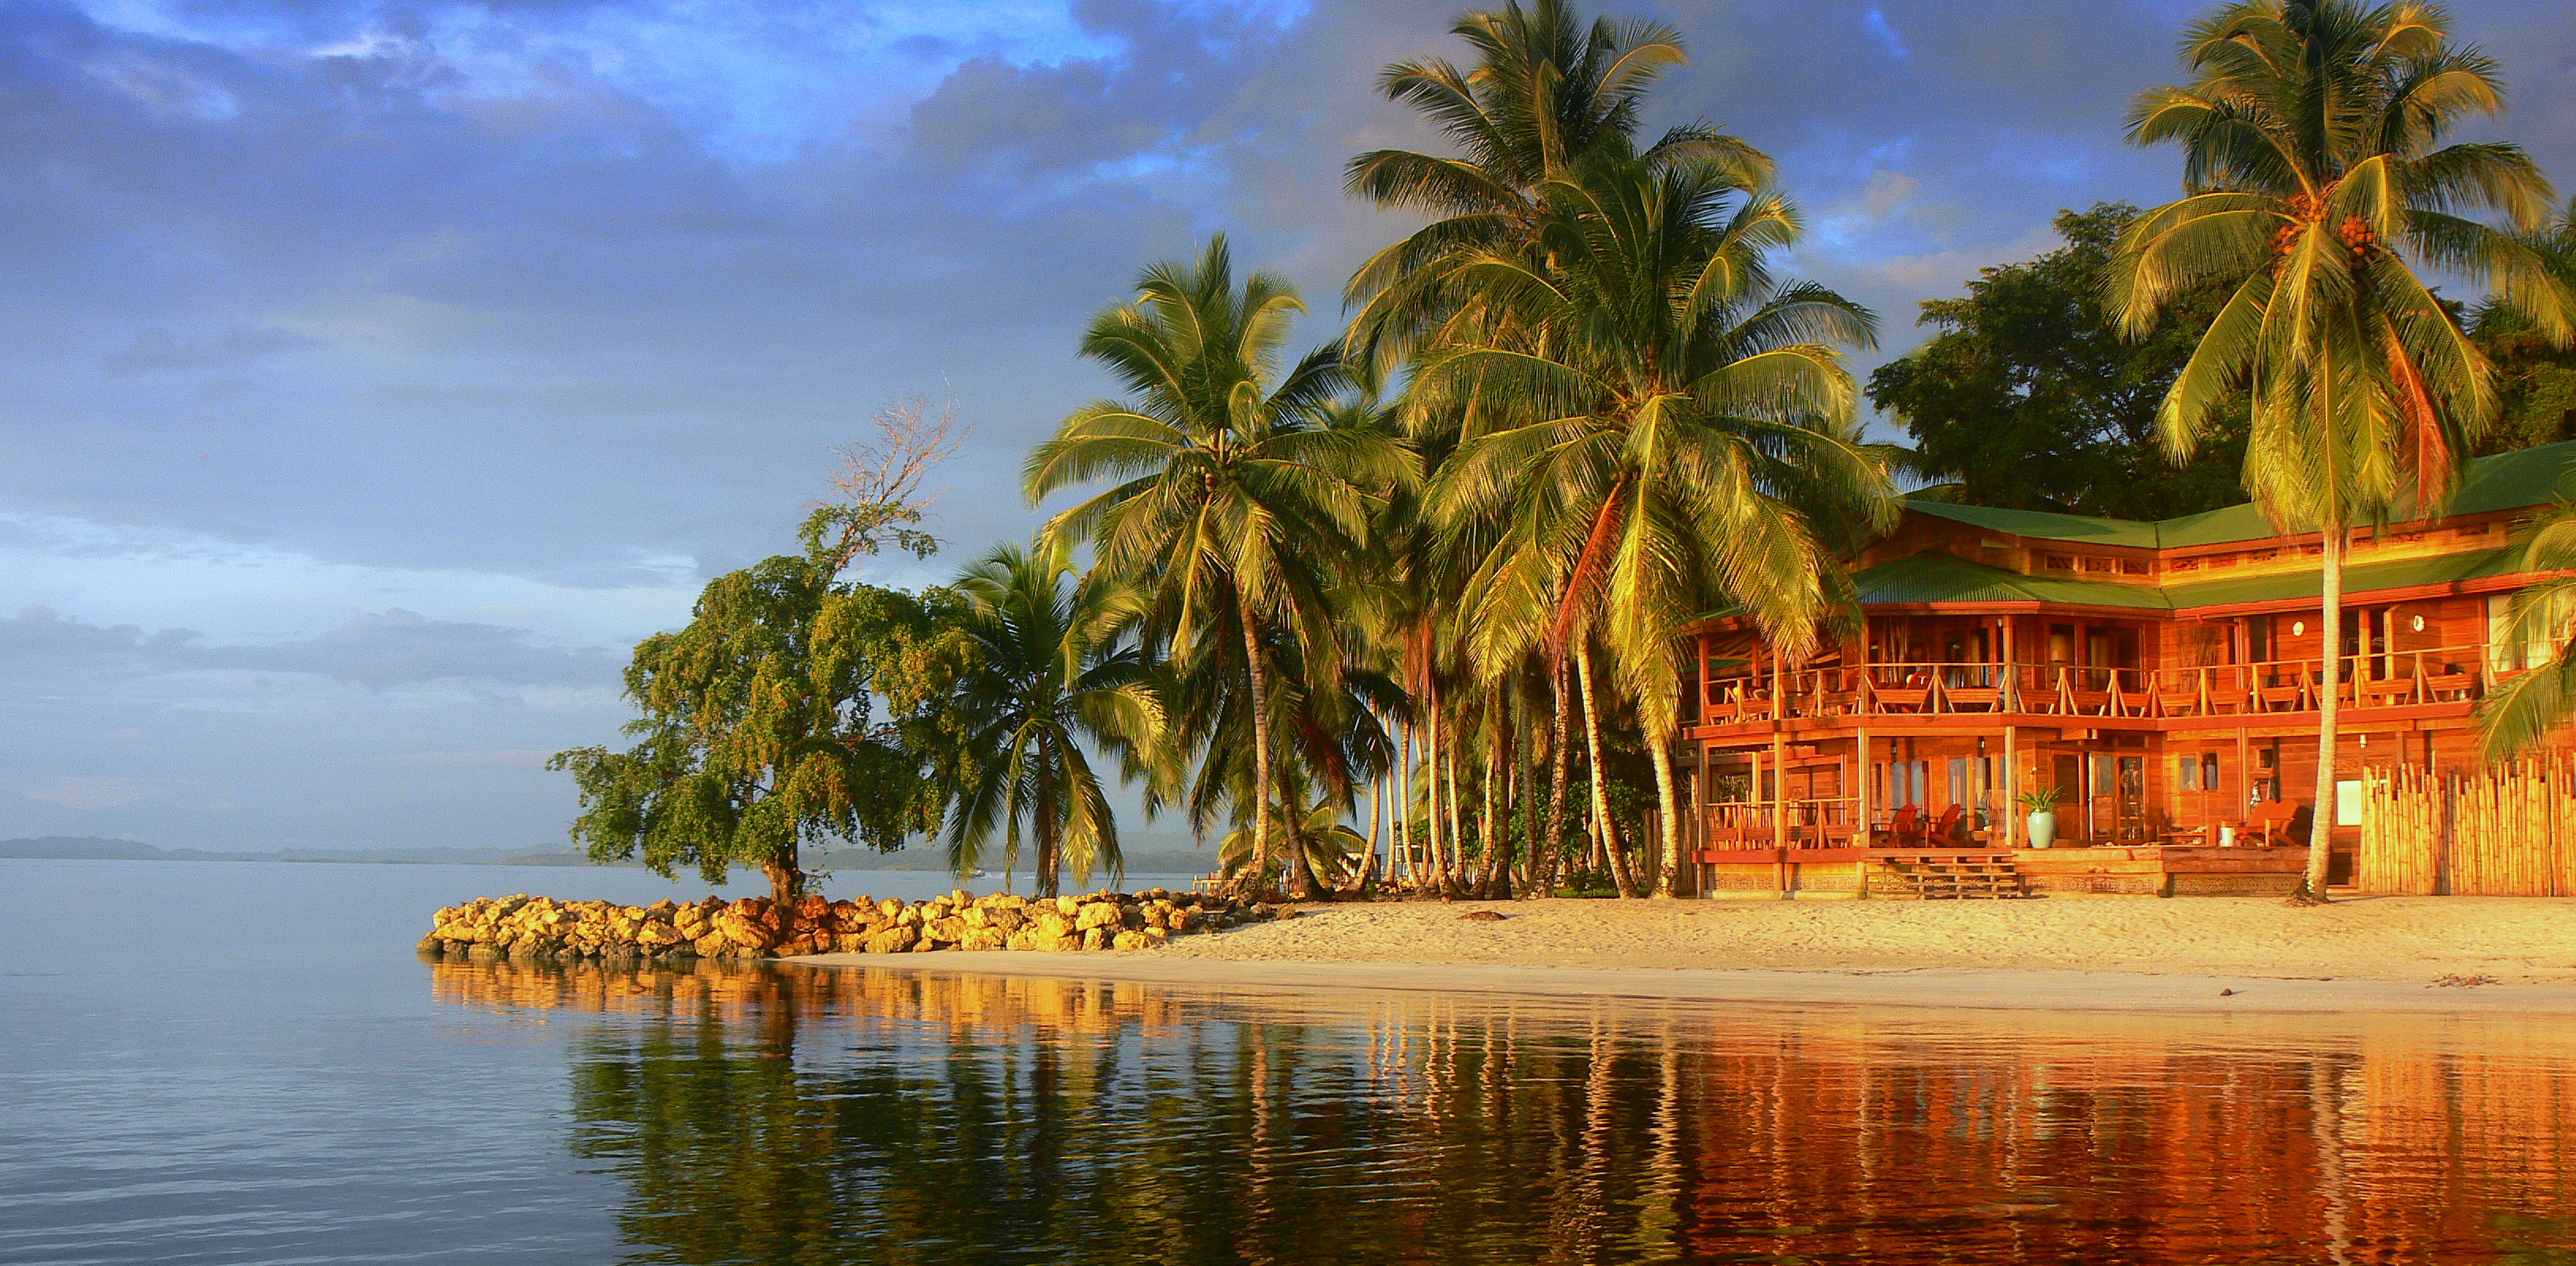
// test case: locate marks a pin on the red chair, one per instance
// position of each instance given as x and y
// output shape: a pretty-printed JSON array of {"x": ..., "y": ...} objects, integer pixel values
[
  {"x": 1905, "y": 828},
  {"x": 1946, "y": 829}
]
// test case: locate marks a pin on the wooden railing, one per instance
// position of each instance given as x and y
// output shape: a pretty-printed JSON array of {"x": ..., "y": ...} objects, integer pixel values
[{"x": 2390, "y": 679}]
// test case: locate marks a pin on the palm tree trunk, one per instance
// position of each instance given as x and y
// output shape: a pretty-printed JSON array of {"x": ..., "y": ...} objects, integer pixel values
[
  {"x": 1608, "y": 840},
  {"x": 1560, "y": 761},
  {"x": 2329, "y": 711},
  {"x": 1659, "y": 750},
  {"x": 1453, "y": 870},
  {"x": 1260, "y": 746},
  {"x": 1487, "y": 837},
  {"x": 1431, "y": 791},
  {"x": 1377, "y": 809},
  {"x": 1049, "y": 840},
  {"x": 1403, "y": 780}
]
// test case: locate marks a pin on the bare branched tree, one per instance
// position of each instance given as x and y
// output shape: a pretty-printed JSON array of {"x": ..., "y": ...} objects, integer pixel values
[{"x": 881, "y": 483}]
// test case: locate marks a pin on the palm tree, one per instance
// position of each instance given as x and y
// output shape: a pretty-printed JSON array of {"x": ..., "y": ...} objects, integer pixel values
[
  {"x": 1545, "y": 91},
  {"x": 1687, "y": 414},
  {"x": 2311, "y": 134},
  {"x": 1052, "y": 676},
  {"x": 1312, "y": 828},
  {"x": 2522, "y": 712},
  {"x": 1235, "y": 508}
]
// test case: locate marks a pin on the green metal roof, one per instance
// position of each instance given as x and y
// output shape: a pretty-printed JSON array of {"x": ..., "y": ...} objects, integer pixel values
[
  {"x": 1938, "y": 577},
  {"x": 1932, "y": 577},
  {"x": 2309, "y": 585},
  {"x": 2522, "y": 479},
  {"x": 2044, "y": 524}
]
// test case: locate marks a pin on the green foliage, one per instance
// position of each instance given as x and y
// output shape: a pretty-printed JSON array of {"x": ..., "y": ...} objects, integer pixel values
[
  {"x": 2030, "y": 398},
  {"x": 2535, "y": 377},
  {"x": 1051, "y": 673},
  {"x": 794, "y": 708},
  {"x": 1238, "y": 509}
]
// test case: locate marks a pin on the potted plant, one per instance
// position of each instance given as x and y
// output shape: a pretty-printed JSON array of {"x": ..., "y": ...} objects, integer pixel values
[{"x": 2042, "y": 803}]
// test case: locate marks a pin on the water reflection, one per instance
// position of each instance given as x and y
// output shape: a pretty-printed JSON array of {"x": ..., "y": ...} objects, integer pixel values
[{"x": 812, "y": 1115}]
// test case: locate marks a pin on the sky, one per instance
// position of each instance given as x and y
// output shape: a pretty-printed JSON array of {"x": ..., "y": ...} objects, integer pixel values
[{"x": 373, "y": 375}]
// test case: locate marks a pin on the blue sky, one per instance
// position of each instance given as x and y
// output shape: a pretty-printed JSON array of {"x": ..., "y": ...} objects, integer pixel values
[{"x": 377, "y": 373}]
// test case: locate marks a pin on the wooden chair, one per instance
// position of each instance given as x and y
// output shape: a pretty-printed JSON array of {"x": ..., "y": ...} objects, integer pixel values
[
  {"x": 1945, "y": 829},
  {"x": 1903, "y": 830},
  {"x": 2270, "y": 822}
]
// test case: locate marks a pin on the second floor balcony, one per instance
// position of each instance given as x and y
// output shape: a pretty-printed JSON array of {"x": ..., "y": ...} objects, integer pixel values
[{"x": 2448, "y": 678}]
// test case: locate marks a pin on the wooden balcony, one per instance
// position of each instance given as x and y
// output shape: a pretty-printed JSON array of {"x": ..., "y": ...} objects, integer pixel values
[{"x": 1897, "y": 697}]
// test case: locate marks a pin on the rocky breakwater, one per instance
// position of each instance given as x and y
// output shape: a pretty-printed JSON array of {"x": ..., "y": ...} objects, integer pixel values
[{"x": 523, "y": 926}]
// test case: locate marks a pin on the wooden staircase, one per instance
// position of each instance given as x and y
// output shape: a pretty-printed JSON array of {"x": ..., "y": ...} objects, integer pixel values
[{"x": 1938, "y": 878}]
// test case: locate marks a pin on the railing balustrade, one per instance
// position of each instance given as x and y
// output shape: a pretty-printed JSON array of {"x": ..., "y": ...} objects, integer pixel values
[{"x": 2369, "y": 680}]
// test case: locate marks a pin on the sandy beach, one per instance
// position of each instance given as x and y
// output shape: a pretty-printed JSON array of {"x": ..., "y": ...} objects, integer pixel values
[{"x": 2371, "y": 954}]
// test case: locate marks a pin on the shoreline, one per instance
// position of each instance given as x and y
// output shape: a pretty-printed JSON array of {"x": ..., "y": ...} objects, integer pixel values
[
  {"x": 1930, "y": 988},
  {"x": 2391, "y": 955}
]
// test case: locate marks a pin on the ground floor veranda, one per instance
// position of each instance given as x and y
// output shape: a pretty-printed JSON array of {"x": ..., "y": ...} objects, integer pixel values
[{"x": 2144, "y": 805}]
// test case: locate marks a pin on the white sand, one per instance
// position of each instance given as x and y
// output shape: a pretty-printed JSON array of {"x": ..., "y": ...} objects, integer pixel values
[{"x": 2378, "y": 954}]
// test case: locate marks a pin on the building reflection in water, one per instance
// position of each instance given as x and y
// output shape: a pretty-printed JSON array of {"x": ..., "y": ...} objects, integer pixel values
[{"x": 785, "y": 1114}]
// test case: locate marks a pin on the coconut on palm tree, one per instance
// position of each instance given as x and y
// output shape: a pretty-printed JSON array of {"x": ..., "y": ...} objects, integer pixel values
[
  {"x": 1236, "y": 510},
  {"x": 1688, "y": 418},
  {"x": 2312, "y": 136},
  {"x": 1053, "y": 678}
]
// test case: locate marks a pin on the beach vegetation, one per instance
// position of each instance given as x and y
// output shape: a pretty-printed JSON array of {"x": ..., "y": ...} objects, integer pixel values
[{"x": 2319, "y": 184}]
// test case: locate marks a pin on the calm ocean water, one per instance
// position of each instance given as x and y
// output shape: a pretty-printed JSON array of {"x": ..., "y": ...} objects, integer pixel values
[{"x": 227, "y": 1062}]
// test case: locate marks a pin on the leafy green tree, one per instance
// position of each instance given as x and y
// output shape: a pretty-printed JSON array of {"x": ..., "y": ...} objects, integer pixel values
[
  {"x": 2535, "y": 375},
  {"x": 1236, "y": 509},
  {"x": 1690, "y": 425},
  {"x": 796, "y": 707},
  {"x": 1309, "y": 824},
  {"x": 1051, "y": 677},
  {"x": 2312, "y": 149},
  {"x": 1545, "y": 92},
  {"x": 2029, "y": 397},
  {"x": 2520, "y": 714}
]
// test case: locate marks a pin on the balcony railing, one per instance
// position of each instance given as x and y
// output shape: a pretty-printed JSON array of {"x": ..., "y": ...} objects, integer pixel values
[{"x": 2387, "y": 679}]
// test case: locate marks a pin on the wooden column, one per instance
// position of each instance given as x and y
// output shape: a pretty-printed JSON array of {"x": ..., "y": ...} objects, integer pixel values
[
  {"x": 1860, "y": 788},
  {"x": 2012, "y": 788}
]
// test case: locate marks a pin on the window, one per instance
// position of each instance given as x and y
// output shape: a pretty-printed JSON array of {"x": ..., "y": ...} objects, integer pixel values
[
  {"x": 2133, "y": 567},
  {"x": 2209, "y": 771},
  {"x": 2187, "y": 774},
  {"x": 2059, "y": 562}
]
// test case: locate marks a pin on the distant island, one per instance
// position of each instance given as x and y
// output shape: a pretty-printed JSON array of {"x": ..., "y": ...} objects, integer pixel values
[{"x": 1181, "y": 861}]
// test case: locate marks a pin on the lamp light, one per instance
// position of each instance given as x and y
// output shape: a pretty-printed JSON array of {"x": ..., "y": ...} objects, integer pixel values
[
  {"x": 2298, "y": 628},
  {"x": 2416, "y": 624}
]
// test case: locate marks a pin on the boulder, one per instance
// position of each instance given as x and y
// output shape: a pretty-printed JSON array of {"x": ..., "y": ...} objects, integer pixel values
[
  {"x": 984, "y": 938},
  {"x": 1096, "y": 938},
  {"x": 1096, "y": 914},
  {"x": 1005, "y": 919},
  {"x": 949, "y": 931},
  {"x": 894, "y": 940}
]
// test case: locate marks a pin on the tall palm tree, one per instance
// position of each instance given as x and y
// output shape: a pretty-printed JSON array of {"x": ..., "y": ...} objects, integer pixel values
[
  {"x": 1235, "y": 507},
  {"x": 1545, "y": 91},
  {"x": 1052, "y": 675},
  {"x": 2312, "y": 149},
  {"x": 1689, "y": 418}
]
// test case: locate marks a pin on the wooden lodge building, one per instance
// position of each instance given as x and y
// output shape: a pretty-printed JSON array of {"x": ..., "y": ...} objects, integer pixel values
[{"x": 2163, "y": 677}]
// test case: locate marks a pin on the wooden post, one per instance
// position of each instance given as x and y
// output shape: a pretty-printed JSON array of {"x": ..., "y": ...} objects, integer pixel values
[
  {"x": 2012, "y": 784},
  {"x": 1860, "y": 788},
  {"x": 2010, "y": 699}
]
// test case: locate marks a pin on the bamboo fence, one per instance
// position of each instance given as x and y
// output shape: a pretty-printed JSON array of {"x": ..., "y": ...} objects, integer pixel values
[{"x": 2506, "y": 831}]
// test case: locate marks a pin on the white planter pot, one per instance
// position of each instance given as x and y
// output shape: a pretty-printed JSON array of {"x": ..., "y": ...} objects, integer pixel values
[{"x": 2043, "y": 828}]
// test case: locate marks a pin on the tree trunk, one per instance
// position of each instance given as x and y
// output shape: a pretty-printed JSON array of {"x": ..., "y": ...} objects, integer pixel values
[
  {"x": 1603, "y": 833},
  {"x": 1042, "y": 829},
  {"x": 1659, "y": 750},
  {"x": 1431, "y": 791},
  {"x": 1454, "y": 868},
  {"x": 2329, "y": 712},
  {"x": 1560, "y": 762},
  {"x": 1261, "y": 758},
  {"x": 1487, "y": 837},
  {"x": 1402, "y": 825},
  {"x": 786, "y": 880}
]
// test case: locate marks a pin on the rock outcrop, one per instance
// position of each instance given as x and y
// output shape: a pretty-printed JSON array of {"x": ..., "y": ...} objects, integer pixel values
[{"x": 522, "y": 926}]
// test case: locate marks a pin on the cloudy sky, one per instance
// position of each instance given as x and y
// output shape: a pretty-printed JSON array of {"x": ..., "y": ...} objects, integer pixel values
[{"x": 376, "y": 373}]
